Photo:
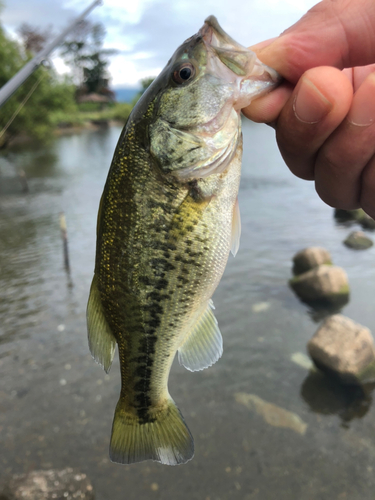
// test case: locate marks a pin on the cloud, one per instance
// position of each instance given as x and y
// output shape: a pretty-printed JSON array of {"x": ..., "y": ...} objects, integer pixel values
[{"x": 147, "y": 32}]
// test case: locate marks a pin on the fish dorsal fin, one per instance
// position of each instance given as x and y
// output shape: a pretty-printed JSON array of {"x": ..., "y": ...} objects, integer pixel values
[
  {"x": 236, "y": 229},
  {"x": 204, "y": 345},
  {"x": 102, "y": 342}
]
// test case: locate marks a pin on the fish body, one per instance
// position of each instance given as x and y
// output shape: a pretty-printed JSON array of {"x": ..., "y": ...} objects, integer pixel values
[{"x": 167, "y": 221}]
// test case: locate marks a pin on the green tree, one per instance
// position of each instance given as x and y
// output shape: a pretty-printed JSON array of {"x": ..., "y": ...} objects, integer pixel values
[
  {"x": 50, "y": 94},
  {"x": 87, "y": 58}
]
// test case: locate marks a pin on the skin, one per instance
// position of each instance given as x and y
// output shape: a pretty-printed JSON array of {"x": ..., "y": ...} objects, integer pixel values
[{"x": 323, "y": 114}]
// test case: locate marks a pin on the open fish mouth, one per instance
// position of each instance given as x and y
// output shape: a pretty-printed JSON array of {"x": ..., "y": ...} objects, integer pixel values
[{"x": 252, "y": 77}]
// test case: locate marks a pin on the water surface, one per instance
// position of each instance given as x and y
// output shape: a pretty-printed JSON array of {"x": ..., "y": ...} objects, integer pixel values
[{"x": 56, "y": 403}]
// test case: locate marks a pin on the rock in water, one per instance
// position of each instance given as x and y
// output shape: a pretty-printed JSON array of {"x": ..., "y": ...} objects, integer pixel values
[
  {"x": 324, "y": 284},
  {"x": 366, "y": 221},
  {"x": 342, "y": 215},
  {"x": 358, "y": 241},
  {"x": 309, "y": 258},
  {"x": 343, "y": 348},
  {"x": 66, "y": 484}
]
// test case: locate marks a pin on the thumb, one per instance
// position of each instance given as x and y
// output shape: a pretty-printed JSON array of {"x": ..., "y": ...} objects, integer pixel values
[{"x": 338, "y": 33}]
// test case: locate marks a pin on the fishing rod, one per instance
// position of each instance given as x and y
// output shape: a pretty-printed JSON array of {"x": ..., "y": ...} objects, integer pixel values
[{"x": 17, "y": 80}]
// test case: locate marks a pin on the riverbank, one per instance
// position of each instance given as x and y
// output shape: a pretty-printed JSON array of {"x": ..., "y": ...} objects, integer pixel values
[{"x": 82, "y": 119}]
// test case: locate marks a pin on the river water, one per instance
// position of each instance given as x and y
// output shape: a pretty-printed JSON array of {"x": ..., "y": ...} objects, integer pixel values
[{"x": 56, "y": 403}]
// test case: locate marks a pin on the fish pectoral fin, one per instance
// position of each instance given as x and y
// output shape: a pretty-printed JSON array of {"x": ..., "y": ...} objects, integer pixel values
[
  {"x": 236, "y": 229},
  {"x": 102, "y": 342},
  {"x": 204, "y": 344}
]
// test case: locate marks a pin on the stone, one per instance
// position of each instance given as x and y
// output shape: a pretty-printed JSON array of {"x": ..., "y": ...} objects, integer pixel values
[
  {"x": 366, "y": 221},
  {"x": 342, "y": 215},
  {"x": 324, "y": 284},
  {"x": 344, "y": 349},
  {"x": 309, "y": 258},
  {"x": 66, "y": 484},
  {"x": 358, "y": 241},
  {"x": 272, "y": 414}
]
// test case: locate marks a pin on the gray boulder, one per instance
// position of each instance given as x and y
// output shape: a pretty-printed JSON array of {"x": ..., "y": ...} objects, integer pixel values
[
  {"x": 309, "y": 258},
  {"x": 66, "y": 484},
  {"x": 326, "y": 284},
  {"x": 358, "y": 241},
  {"x": 344, "y": 349}
]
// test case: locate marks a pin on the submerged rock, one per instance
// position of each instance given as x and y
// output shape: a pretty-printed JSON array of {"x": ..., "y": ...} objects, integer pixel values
[
  {"x": 309, "y": 258},
  {"x": 342, "y": 215},
  {"x": 272, "y": 414},
  {"x": 344, "y": 349},
  {"x": 66, "y": 484},
  {"x": 366, "y": 221},
  {"x": 324, "y": 284},
  {"x": 358, "y": 241},
  {"x": 300, "y": 359}
]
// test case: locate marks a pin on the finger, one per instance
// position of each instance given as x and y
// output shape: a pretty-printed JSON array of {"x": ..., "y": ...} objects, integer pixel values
[
  {"x": 360, "y": 74},
  {"x": 333, "y": 33},
  {"x": 266, "y": 109},
  {"x": 318, "y": 105},
  {"x": 344, "y": 156},
  {"x": 261, "y": 45}
]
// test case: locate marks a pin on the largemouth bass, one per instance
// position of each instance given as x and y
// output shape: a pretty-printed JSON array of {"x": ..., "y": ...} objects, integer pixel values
[{"x": 167, "y": 221}]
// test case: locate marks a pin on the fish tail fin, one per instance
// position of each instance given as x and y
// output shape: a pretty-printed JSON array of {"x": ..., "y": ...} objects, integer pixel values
[{"x": 164, "y": 438}]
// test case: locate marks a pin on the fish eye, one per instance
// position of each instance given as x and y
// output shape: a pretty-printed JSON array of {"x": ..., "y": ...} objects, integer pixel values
[{"x": 183, "y": 73}]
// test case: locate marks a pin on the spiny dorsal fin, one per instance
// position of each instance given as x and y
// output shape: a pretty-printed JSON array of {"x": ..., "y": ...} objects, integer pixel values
[
  {"x": 236, "y": 229},
  {"x": 102, "y": 342},
  {"x": 204, "y": 345}
]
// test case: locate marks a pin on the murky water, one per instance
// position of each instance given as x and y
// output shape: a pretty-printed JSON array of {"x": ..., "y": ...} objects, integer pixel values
[{"x": 56, "y": 403}]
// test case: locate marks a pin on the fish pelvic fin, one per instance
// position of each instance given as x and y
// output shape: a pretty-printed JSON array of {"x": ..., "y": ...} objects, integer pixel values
[
  {"x": 102, "y": 342},
  {"x": 165, "y": 438},
  {"x": 204, "y": 345}
]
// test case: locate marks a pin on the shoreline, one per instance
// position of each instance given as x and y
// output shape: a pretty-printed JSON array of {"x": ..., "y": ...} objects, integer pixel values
[{"x": 66, "y": 131}]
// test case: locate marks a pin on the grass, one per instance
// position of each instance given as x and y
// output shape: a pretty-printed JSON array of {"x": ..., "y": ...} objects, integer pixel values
[{"x": 91, "y": 112}]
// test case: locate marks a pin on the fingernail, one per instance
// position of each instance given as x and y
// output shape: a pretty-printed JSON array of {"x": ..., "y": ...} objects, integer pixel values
[
  {"x": 362, "y": 112},
  {"x": 310, "y": 105}
]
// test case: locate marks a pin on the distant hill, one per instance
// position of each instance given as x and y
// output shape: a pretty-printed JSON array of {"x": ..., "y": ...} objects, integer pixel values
[{"x": 125, "y": 94}]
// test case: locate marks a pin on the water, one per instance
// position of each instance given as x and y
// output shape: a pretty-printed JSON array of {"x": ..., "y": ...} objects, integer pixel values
[{"x": 56, "y": 403}]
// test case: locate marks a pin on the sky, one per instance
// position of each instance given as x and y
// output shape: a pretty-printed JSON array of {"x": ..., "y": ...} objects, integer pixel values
[{"x": 147, "y": 32}]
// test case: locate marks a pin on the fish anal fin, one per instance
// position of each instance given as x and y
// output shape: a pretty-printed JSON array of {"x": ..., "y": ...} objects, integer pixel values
[
  {"x": 102, "y": 342},
  {"x": 236, "y": 229},
  {"x": 165, "y": 438},
  {"x": 204, "y": 344}
]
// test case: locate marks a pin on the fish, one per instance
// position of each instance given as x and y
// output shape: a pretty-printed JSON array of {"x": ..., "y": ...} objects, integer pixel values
[{"x": 167, "y": 221}]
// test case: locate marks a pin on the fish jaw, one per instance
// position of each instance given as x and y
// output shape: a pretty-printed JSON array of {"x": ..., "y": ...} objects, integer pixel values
[{"x": 250, "y": 77}]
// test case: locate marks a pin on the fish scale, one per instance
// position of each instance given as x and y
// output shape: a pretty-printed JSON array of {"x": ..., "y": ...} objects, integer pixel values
[{"x": 167, "y": 221}]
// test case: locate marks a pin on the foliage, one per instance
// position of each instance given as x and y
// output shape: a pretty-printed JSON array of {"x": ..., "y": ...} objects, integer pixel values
[
  {"x": 82, "y": 115},
  {"x": 83, "y": 51},
  {"x": 50, "y": 94},
  {"x": 33, "y": 39}
]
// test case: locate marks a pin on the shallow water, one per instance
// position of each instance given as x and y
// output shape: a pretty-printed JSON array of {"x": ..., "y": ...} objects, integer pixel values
[{"x": 56, "y": 403}]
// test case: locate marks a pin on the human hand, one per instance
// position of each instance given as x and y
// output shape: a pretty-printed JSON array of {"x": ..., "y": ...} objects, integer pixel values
[{"x": 325, "y": 118}]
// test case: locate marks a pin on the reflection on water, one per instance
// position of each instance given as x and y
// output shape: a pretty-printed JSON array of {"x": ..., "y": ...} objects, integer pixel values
[
  {"x": 56, "y": 404},
  {"x": 329, "y": 397},
  {"x": 321, "y": 311}
]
